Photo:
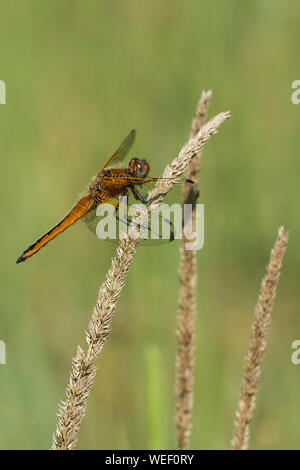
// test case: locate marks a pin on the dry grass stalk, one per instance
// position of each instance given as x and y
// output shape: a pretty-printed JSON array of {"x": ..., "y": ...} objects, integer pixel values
[
  {"x": 185, "y": 359},
  {"x": 260, "y": 329},
  {"x": 198, "y": 121},
  {"x": 72, "y": 411}
]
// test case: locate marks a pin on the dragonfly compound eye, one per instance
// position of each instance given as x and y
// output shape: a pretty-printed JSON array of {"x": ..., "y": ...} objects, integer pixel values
[{"x": 140, "y": 168}]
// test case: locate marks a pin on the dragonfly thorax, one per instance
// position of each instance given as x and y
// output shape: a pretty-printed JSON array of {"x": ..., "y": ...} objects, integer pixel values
[{"x": 139, "y": 168}]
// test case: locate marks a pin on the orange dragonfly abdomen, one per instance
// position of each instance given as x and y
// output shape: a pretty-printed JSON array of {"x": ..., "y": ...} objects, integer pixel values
[{"x": 82, "y": 207}]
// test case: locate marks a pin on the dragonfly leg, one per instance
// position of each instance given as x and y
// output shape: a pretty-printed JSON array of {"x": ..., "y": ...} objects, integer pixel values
[
  {"x": 152, "y": 199},
  {"x": 138, "y": 195}
]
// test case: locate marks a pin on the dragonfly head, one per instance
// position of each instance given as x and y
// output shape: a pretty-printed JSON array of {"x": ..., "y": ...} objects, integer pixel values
[{"x": 139, "y": 168}]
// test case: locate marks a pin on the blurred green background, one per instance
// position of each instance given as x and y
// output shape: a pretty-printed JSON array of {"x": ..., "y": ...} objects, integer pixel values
[{"x": 79, "y": 76}]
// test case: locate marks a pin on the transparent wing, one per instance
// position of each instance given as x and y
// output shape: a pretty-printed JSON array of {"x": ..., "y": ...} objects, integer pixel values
[
  {"x": 92, "y": 218},
  {"x": 121, "y": 152},
  {"x": 113, "y": 218}
]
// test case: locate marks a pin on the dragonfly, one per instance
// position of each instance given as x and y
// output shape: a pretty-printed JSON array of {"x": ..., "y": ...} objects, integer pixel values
[{"x": 112, "y": 180}]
